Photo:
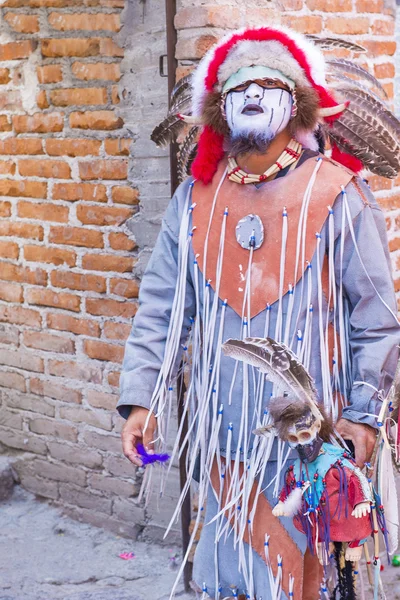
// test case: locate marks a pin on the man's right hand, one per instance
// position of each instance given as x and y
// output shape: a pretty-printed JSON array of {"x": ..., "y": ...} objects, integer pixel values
[{"x": 133, "y": 433}]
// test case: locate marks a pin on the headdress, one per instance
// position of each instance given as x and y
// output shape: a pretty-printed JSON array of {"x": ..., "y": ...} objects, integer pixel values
[{"x": 334, "y": 95}]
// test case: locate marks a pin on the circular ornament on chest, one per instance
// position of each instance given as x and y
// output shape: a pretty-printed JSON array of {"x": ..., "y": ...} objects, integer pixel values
[{"x": 250, "y": 232}]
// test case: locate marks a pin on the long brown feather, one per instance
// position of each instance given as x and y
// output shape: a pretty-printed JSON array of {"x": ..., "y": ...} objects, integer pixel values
[
  {"x": 340, "y": 82},
  {"x": 346, "y": 66},
  {"x": 185, "y": 151},
  {"x": 329, "y": 43},
  {"x": 180, "y": 87},
  {"x": 182, "y": 104},
  {"x": 167, "y": 131}
]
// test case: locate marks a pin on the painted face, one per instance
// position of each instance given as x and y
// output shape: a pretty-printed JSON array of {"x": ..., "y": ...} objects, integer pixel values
[{"x": 258, "y": 110}]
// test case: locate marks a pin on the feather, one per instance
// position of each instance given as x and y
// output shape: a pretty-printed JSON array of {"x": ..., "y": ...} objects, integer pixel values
[
  {"x": 181, "y": 87},
  {"x": 148, "y": 459},
  {"x": 279, "y": 364},
  {"x": 182, "y": 104},
  {"x": 185, "y": 153},
  {"x": 346, "y": 66},
  {"x": 167, "y": 131},
  {"x": 341, "y": 83},
  {"x": 360, "y": 140},
  {"x": 329, "y": 43},
  {"x": 293, "y": 502}
]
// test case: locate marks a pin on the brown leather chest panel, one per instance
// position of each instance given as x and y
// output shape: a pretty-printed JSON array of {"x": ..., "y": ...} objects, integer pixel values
[{"x": 268, "y": 202}]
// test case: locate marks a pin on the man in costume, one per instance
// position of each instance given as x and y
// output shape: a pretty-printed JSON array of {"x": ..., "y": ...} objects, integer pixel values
[{"x": 268, "y": 238}]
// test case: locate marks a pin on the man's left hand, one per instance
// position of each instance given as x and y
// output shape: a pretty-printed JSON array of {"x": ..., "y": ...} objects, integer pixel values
[{"x": 363, "y": 437}]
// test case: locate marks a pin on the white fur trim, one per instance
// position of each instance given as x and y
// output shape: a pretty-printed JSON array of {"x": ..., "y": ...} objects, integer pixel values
[
  {"x": 307, "y": 139},
  {"x": 274, "y": 52}
]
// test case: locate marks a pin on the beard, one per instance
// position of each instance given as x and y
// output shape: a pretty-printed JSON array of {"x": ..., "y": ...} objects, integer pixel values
[{"x": 253, "y": 142}]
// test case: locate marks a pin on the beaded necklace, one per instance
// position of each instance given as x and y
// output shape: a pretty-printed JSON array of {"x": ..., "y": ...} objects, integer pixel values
[{"x": 290, "y": 154}]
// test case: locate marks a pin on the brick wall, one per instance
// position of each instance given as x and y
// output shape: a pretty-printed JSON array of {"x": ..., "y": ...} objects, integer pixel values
[{"x": 79, "y": 96}]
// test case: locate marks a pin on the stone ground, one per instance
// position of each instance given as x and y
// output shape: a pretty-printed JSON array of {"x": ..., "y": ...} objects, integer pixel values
[{"x": 47, "y": 556}]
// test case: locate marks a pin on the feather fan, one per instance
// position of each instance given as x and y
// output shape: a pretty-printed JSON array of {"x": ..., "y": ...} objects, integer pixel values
[
  {"x": 346, "y": 66},
  {"x": 329, "y": 43},
  {"x": 279, "y": 364},
  {"x": 181, "y": 87},
  {"x": 167, "y": 131}
]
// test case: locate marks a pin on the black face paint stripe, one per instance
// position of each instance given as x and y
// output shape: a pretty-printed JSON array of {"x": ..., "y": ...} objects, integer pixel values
[
  {"x": 280, "y": 99},
  {"x": 272, "y": 116}
]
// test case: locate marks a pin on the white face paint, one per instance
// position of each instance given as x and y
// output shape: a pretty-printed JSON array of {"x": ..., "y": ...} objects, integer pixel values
[{"x": 258, "y": 110}]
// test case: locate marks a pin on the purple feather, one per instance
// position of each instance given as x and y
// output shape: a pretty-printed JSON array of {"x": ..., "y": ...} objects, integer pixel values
[{"x": 149, "y": 459}]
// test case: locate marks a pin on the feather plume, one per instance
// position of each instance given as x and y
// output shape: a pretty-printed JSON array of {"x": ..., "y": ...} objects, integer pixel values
[
  {"x": 329, "y": 43},
  {"x": 279, "y": 364},
  {"x": 347, "y": 66},
  {"x": 181, "y": 87},
  {"x": 167, "y": 131},
  {"x": 353, "y": 136},
  {"x": 182, "y": 104},
  {"x": 341, "y": 83},
  {"x": 185, "y": 153}
]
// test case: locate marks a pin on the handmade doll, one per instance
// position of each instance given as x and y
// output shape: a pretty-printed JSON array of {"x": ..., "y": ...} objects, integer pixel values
[{"x": 324, "y": 492}]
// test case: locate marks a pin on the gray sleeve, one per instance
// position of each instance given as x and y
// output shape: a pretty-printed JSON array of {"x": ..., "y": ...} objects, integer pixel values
[
  {"x": 144, "y": 350},
  {"x": 374, "y": 328}
]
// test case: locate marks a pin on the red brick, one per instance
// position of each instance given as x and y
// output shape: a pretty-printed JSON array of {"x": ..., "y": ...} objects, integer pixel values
[
  {"x": 118, "y": 146},
  {"x": 55, "y": 256},
  {"x": 22, "y": 23},
  {"x": 76, "y": 236},
  {"x": 92, "y": 192},
  {"x": 11, "y": 100},
  {"x": 31, "y": 167},
  {"x": 110, "y": 308},
  {"x": 21, "y": 360},
  {"x": 125, "y": 195},
  {"x": 113, "y": 378},
  {"x": 9, "y": 250},
  {"x": 11, "y": 272},
  {"x": 89, "y": 71},
  {"x": 291, "y": 4},
  {"x": 17, "y": 50},
  {"x": 394, "y": 244},
  {"x": 23, "y": 230},
  {"x": 102, "y": 215},
  {"x": 45, "y": 297},
  {"x": 378, "y": 48},
  {"x": 24, "y": 188},
  {"x": 72, "y": 147},
  {"x": 48, "y": 342},
  {"x": 73, "y": 370},
  {"x": 389, "y": 89},
  {"x": 9, "y": 334},
  {"x": 79, "y": 96},
  {"x": 4, "y": 75},
  {"x": 11, "y": 292},
  {"x": 85, "y": 21},
  {"x": 117, "y": 331},
  {"x": 331, "y": 5},
  {"x": 103, "y": 169},
  {"x": 38, "y": 123},
  {"x": 12, "y": 380},
  {"x": 102, "y": 351},
  {"x": 128, "y": 288},
  {"x": 43, "y": 212},
  {"x": 21, "y": 146},
  {"x": 109, "y": 48},
  {"x": 59, "y": 47},
  {"x": 55, "y": 428},
  {"x": 20, "y": 316},
  {"x": 96, "y": 119},
  {"x": 53, "y": 389},
  {"x": 118, "y": 241},
  {"x": 380, "y": 27},
  {"x": 107, "y": 262},
  {"x": 194, "y": 47},
  {"x": 390, "y": 202},
  {"x": 384, "y": 71},
  {"x": 7, "y": 167},
  {"x": 50, "y": 74},
  {"x": 369, "y": 6},
  {"x": 41, "y": 100},
  {"x": 5, "y": 209},
  {"x": 63, "y": 322},
  {"x": 5, "y": 124},
  {"x": 348, "y": 26},
  {"x": 115, "y": 99},
  {"x": 303, "y": 24},
  {"x": 78, "y": 281},
  {"x": 102, "y": 400},
  {"x": 226, "y": 17}
]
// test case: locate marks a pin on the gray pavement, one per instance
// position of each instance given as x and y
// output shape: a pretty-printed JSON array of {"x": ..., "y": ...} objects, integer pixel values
[{"x": 47, "y": 556}]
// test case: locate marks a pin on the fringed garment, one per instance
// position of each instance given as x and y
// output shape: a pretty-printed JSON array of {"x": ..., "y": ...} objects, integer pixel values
[{"x": 321, "y": 283}]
